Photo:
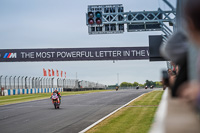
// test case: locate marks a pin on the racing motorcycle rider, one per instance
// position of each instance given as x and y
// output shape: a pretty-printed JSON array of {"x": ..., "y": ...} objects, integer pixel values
[{"x": 58, "y": 94}]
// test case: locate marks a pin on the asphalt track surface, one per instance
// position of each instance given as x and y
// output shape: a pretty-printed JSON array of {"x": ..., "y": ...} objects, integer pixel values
[{"x": 75, "y": 114}]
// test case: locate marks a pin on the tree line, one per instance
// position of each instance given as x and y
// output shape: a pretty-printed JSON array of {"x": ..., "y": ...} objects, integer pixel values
[{"x": 147, "y": 83}]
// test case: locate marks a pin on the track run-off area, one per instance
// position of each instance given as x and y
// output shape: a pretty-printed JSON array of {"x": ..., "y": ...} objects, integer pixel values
[{"x": 76, "y": 112}]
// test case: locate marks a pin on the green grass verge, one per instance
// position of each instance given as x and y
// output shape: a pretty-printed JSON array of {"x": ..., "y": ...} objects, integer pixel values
[
  {"x": 31, "y": 97},
  {"x": 137, "y": 117}
]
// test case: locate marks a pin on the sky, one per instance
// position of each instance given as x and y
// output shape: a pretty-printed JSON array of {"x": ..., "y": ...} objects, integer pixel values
[{"x": 27, "y": 24}]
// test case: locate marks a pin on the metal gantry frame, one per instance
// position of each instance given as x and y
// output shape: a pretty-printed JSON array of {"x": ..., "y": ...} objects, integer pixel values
[
  {"x": 139, "y": 17},
  {"x": 114, "y": 15}
]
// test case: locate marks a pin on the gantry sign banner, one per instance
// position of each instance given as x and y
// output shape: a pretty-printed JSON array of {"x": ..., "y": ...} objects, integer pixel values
[{"x": 74, "y": 54}]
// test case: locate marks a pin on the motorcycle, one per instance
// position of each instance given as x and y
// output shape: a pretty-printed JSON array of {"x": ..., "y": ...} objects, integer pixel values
[
  {"x": 146, "y": 87},
  {"x": 117, "y": 88},
  {"x": 55, "y": 100},
  {"x": 151, "y": 87}
]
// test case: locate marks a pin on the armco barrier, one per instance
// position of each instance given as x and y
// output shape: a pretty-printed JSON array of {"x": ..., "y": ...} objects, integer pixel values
[{"x": 10, "y": 92}]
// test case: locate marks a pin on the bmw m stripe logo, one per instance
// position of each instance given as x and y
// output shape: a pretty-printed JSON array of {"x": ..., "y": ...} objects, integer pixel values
[{"x": 10, "y": 55}]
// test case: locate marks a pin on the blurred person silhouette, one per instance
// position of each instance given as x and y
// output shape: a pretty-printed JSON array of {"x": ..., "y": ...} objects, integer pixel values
[
  {"x": 192, "y": 13},
  {"x": 176, "y": 50}
]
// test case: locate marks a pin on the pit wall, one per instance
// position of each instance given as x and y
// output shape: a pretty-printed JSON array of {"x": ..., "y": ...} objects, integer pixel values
[{"x": 9, "y": 92}]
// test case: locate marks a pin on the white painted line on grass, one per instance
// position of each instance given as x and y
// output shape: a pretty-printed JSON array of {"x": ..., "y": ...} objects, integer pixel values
[{"x": 94, "y": 124}]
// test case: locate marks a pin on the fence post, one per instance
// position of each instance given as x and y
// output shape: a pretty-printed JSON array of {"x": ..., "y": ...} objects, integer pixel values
[
  {"x": 22, "y": 81},
  {"x": 10, "y": 81},
  {"x": 52, "y": 82},
  {"x": 47, "y": 84},
  {"x": 41, "y": 82},
  {"x": 44, "y": 83},
  {"x": 58, "y": 82},
  {"x": 63, "y": 83},
  {"x": 30, "y": 82},
  {"x": 5, "y": 81},
  {"x": 18, "y": 82},
  {"x": 14, "y": 81},
  {"x": 0, "y": 80},
  {"x": 33, "y": 84},
  {"x": 26, "y": 82}
]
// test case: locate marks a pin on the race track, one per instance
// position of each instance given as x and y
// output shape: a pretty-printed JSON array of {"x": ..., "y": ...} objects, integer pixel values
[{"x": 75, "y": 114}]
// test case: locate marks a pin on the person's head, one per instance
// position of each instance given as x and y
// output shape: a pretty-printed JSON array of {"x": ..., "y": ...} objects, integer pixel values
[
  {"x": 192, "y": 14},
  {"x": 55, "y": 91}
]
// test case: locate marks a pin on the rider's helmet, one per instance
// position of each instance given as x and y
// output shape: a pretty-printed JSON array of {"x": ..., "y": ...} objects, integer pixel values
[{"x": 55, "y": 91}]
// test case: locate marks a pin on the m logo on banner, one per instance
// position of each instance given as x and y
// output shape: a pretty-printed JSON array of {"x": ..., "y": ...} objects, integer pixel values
[{"x": 10, "y": 55}]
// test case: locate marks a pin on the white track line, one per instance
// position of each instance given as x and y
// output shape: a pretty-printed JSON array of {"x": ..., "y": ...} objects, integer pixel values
[
  {"x": 159, "y": 119},
  {"x": 94, "y": 124}
]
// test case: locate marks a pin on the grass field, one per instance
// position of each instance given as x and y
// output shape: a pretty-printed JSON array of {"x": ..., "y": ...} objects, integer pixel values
[
  {"x": 30, "y": 97},
  {"x": 137, "y": 117}
]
